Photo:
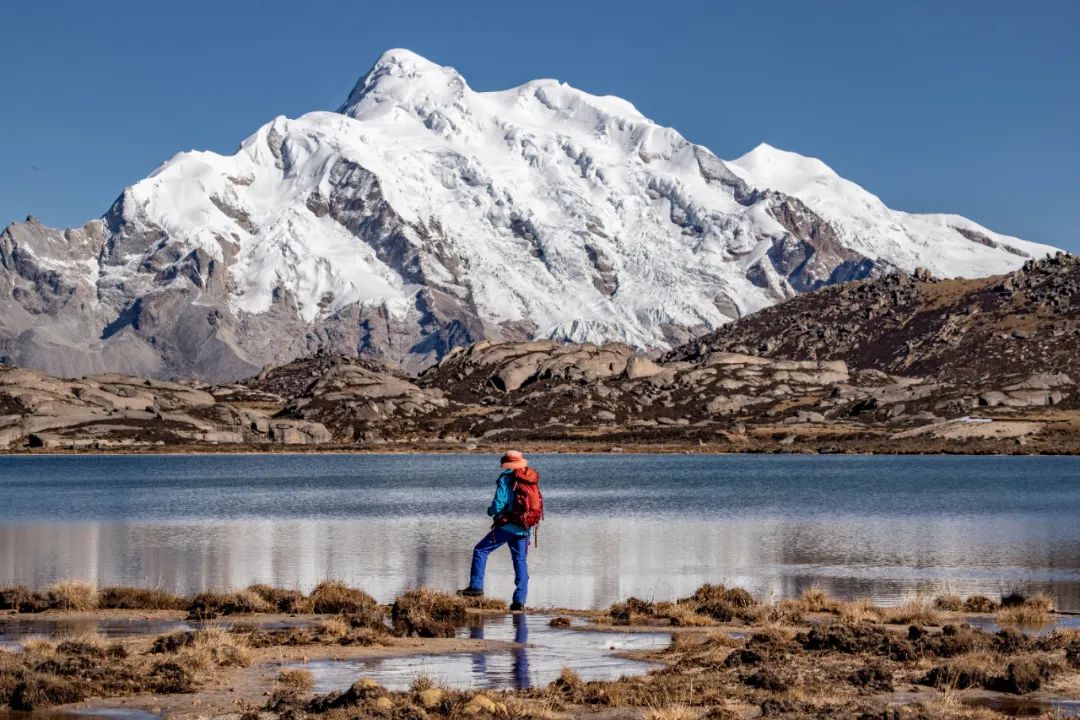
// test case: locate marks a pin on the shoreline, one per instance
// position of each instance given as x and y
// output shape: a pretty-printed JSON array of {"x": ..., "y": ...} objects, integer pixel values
[
  {"x": 538, "y": 447},
  {"x": 729, "y": 656}
]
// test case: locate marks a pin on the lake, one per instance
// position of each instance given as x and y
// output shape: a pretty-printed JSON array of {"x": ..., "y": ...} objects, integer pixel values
[{"x": 655, "y": 526}]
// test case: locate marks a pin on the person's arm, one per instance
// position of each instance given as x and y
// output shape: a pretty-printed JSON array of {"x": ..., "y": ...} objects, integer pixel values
[{"x": 502, "y": 497}]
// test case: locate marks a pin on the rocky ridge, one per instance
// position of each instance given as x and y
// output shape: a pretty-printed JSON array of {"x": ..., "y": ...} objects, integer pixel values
[
  {"x": 891, "y": 365},
  {"x": 982, "y": 331}
]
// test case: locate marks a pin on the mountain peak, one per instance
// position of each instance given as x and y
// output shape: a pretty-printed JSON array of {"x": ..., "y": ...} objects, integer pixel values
[
  {"x": 399, "y": 74},
  {"x": 404, "y": 62},
  {"x": 404, "y": 226},
  {"x": 766, "y": 159}
]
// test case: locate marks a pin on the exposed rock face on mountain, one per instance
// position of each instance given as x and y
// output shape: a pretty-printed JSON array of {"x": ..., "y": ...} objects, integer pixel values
[
  {"x": 424, "y": 215},
  {"x": 982, "y": 331}
]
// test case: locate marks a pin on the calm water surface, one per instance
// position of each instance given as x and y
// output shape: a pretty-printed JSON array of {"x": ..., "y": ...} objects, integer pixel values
[
  {"x": 618, "y": 525},
  {"x": 539, "y": 659}
]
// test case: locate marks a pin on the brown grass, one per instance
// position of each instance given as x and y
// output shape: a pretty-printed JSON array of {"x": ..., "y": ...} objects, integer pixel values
[
  {"x": 215, "y": 647},
  {"x": 671, "y": 712},
  {"x": 131, "y": 598},
  {"x": 682, "y": 615},
  {"x": 1035, "y": 611},
  {"x": 72, "y": 595},
  {"x": 21, "y": 599},
  {"x": 948, "y": 603},
  {"x": 333, "y": 597},
  {"x": 914, "y": 611},
  {"x": 209, "y": 605},
  {"x": 979, "y": 604},
  {"x": 858, "y": 611},
  {"x": 296, "y": 679},
  {"x": 334, "y": 626},
  {"x": 710, "y": 604},
  {"x": 840, "y": 668},
  {"x": 785, "y": 612},
  {"x": 292, "y": 602},
  {"x": 970, "y": 670},
  {"x": 427, "y": 613},
  {"x": 816, "y": 600},
  {"x": 486, "y": 603}
]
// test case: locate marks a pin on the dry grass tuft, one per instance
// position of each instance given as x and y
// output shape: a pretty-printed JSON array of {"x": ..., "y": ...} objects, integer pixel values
[
  {"x": 1034, "y": 611},
  {"x": 38, "y": 644},
  {"x": 427, "y": 613},
  {"x": 948, "y": 603},
  {"x": 217, "y": 647},
  {"x": 710, "y": 604},
  {"x": 208, "y": 605},
  {"x": 72, "y": 595},
  {"x": 671, "y": 712},
  {"x": 333, "y": 597},
  {"x": 334, "y": 626},
  {"x": 681, "y": 615},
  {"x": 22, "y": 599},
  {"x": 979, "y": 604},
  {"x": 486, "y": 603},
  {"x": 816, "y": 600},
  {"x": 858, "y": 611},
  {"x": 86, "y": 643},
  {"x": 292, "y": 602},
  {"x": 710, "y": 593},
  {"x": 130, "y": 598},
  {"x": 970, "y": 670},
  {"x": 296, "y": 679},
  {"x": 785, "y": 612},
  {"x": 915, "y": 611},
  {"x": 568, "y": 682}
]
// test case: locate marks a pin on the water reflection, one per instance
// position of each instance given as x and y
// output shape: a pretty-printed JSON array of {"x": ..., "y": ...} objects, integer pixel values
[
  {"x": 652, "y": 526},
  {"x": 579, "y": 563},
  {"x": 1012, "y": 706},
  {"x": 520, "y": 673},
  {"x": 538, "y": 658}
]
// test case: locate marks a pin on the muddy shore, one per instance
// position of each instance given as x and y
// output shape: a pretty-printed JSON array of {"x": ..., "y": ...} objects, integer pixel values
[
  {"x": 818, "y": 443},
  {"x": 244, "y": 654}
]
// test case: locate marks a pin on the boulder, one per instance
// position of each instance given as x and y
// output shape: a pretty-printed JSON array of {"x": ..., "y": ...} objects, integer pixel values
[{"x": 638, "y": 367}]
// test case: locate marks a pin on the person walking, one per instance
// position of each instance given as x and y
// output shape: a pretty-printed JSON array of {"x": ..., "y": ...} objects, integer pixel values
[{"x": 516, "y": 510}]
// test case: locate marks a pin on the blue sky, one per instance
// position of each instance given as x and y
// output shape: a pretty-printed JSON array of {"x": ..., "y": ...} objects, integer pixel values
[{"x": 967, "y": 107}]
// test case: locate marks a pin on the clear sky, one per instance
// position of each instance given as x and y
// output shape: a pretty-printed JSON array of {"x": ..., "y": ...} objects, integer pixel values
[{"x": 959, "y": 106}]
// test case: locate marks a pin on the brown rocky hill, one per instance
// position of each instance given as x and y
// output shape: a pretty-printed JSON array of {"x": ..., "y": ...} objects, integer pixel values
[
  {"x": 540, "y": 395},
  {"x": 900, "y": 364},
  {"x": 981, "y": 331}
]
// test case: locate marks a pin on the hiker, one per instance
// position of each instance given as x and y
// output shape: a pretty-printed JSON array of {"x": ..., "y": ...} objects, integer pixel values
[{"x": 517, "y": 508}]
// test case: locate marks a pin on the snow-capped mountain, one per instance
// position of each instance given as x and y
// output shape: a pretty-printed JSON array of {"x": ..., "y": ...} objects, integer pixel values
[{"x": 423, "y": 214}]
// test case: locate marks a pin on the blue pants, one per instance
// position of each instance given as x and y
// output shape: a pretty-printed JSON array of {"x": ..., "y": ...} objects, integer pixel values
[{"x": 519, "y": 549}]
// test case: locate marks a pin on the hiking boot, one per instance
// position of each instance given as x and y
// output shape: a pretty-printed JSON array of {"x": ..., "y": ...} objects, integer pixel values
[
  {"x": 470, "y": 592},
  {"x": 517, "y": 607}
]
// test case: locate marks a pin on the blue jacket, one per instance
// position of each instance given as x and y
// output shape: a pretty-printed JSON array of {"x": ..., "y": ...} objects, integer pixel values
[{"x": 504, "y": 498}]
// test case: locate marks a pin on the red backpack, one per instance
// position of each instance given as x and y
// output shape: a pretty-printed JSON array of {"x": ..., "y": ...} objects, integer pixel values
[{"x": 527, "y": 505}]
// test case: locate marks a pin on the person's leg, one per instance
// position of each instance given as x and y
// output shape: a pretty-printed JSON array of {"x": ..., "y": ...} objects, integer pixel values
[
  {"x": 519, "y": 551},
  {"x": 483, "y": 548}
]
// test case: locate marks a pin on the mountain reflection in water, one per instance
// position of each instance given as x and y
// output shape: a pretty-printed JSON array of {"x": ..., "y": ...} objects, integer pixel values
[{"x": 651, "y": 526}]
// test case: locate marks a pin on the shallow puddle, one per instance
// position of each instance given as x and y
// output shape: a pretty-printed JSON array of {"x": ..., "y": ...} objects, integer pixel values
[
  {"x": 1026, "y": 707},
  {"x": 1059, "y": 622},
  {"x": 544, "y": 653},
  {"x": 14, "y": 631}
]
